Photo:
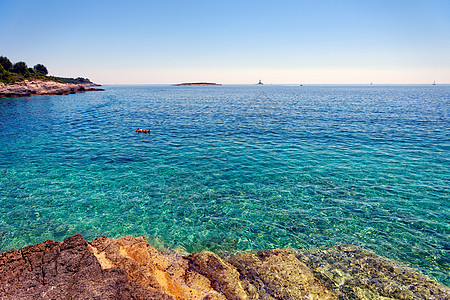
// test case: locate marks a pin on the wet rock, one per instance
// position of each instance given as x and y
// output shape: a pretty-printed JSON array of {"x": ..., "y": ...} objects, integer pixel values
[{"x": 355, "y": 273}]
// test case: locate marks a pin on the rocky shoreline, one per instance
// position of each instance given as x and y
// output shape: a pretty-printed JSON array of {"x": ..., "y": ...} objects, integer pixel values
[
  {"x": 43, "y": 87},
  {"x": 129, "y": 268}
]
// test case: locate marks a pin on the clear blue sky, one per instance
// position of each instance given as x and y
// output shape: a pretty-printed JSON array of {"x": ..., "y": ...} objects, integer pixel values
[{"x": 232, "y": 41}]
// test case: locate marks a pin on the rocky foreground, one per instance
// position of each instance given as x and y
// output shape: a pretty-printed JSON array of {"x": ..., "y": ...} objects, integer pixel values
[
  {"x": 42, "y": 87},
  {"x": 129, "y": 268}
]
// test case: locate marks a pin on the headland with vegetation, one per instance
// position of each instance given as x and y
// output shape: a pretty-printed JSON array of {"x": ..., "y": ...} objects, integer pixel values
[{"x": 18, "y": 80}]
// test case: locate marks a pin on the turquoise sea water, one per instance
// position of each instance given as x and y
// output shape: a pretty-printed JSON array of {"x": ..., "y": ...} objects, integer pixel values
[{"x": 232, "y": 168}]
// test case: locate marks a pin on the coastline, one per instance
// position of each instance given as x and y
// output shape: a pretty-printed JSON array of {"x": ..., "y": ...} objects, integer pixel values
[
  {"x": 43, "y": 87},
  {"x": 129, "y": 268}
]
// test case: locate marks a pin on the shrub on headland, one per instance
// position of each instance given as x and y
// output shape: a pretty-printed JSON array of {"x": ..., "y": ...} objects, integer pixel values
[
  {"x": 20, "y": 68},
  {"x": 41, "y": 69},
  {"x": 11, "y": 73},
  {"x": 5, "y": 63},
  {"x": 9, "y": 77},
  {"x": 77, "y": 80}
]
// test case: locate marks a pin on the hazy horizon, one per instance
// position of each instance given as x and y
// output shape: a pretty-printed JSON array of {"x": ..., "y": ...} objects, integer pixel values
[{"x": 288, "y": 42}]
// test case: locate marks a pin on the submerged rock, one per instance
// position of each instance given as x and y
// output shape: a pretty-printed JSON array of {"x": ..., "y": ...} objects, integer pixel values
[
  {"x": 355, "y": 273},
  {"x": 129, "y": 268}
]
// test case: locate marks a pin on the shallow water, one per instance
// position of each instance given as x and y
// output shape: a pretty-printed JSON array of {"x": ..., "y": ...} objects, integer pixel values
[{"x": 232, "y": 168}]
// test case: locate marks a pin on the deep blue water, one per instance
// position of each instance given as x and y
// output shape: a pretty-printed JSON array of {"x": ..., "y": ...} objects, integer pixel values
[{"x": 232, "y": 168}]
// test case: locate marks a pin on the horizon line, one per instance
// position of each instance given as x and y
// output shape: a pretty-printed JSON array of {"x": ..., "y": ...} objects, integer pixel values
[{"x": 297, "y": 84}]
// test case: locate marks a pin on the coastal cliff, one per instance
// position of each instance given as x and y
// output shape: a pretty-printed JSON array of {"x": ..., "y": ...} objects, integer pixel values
[
  {"x": 129, "y": 268},
  {"x": 43, "y": 87}
]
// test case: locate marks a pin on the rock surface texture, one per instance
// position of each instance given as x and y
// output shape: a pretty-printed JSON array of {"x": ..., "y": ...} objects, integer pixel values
[
  {"x": 129, "y": 268},
  {"x": 39, "y": 87}
]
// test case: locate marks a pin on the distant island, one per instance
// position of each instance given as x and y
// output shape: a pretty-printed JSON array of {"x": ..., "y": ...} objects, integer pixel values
[
  {"x": 18, "y": 80},
  {"x": 196, "y": 83}
]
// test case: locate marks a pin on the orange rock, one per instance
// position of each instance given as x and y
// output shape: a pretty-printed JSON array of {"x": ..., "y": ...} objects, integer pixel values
[{"x": 148, "y": 267}]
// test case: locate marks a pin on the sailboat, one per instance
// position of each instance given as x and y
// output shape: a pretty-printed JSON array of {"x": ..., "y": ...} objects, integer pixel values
[
  {"x": 260, "y": 82},
  {"x": 434, "y": 82}
]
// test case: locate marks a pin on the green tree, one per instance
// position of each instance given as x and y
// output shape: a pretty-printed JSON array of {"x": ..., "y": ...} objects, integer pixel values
[
  {"x": 20, "y": 68},
  {"x": 41, "y": 69},
  {"x": 5, "y": 63},
  {"x": 5, "y": 76},
  {"x": 2, "y": 73}
]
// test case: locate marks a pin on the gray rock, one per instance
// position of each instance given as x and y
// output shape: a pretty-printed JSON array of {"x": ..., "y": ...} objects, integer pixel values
[{"x": 40, "y": 87}]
